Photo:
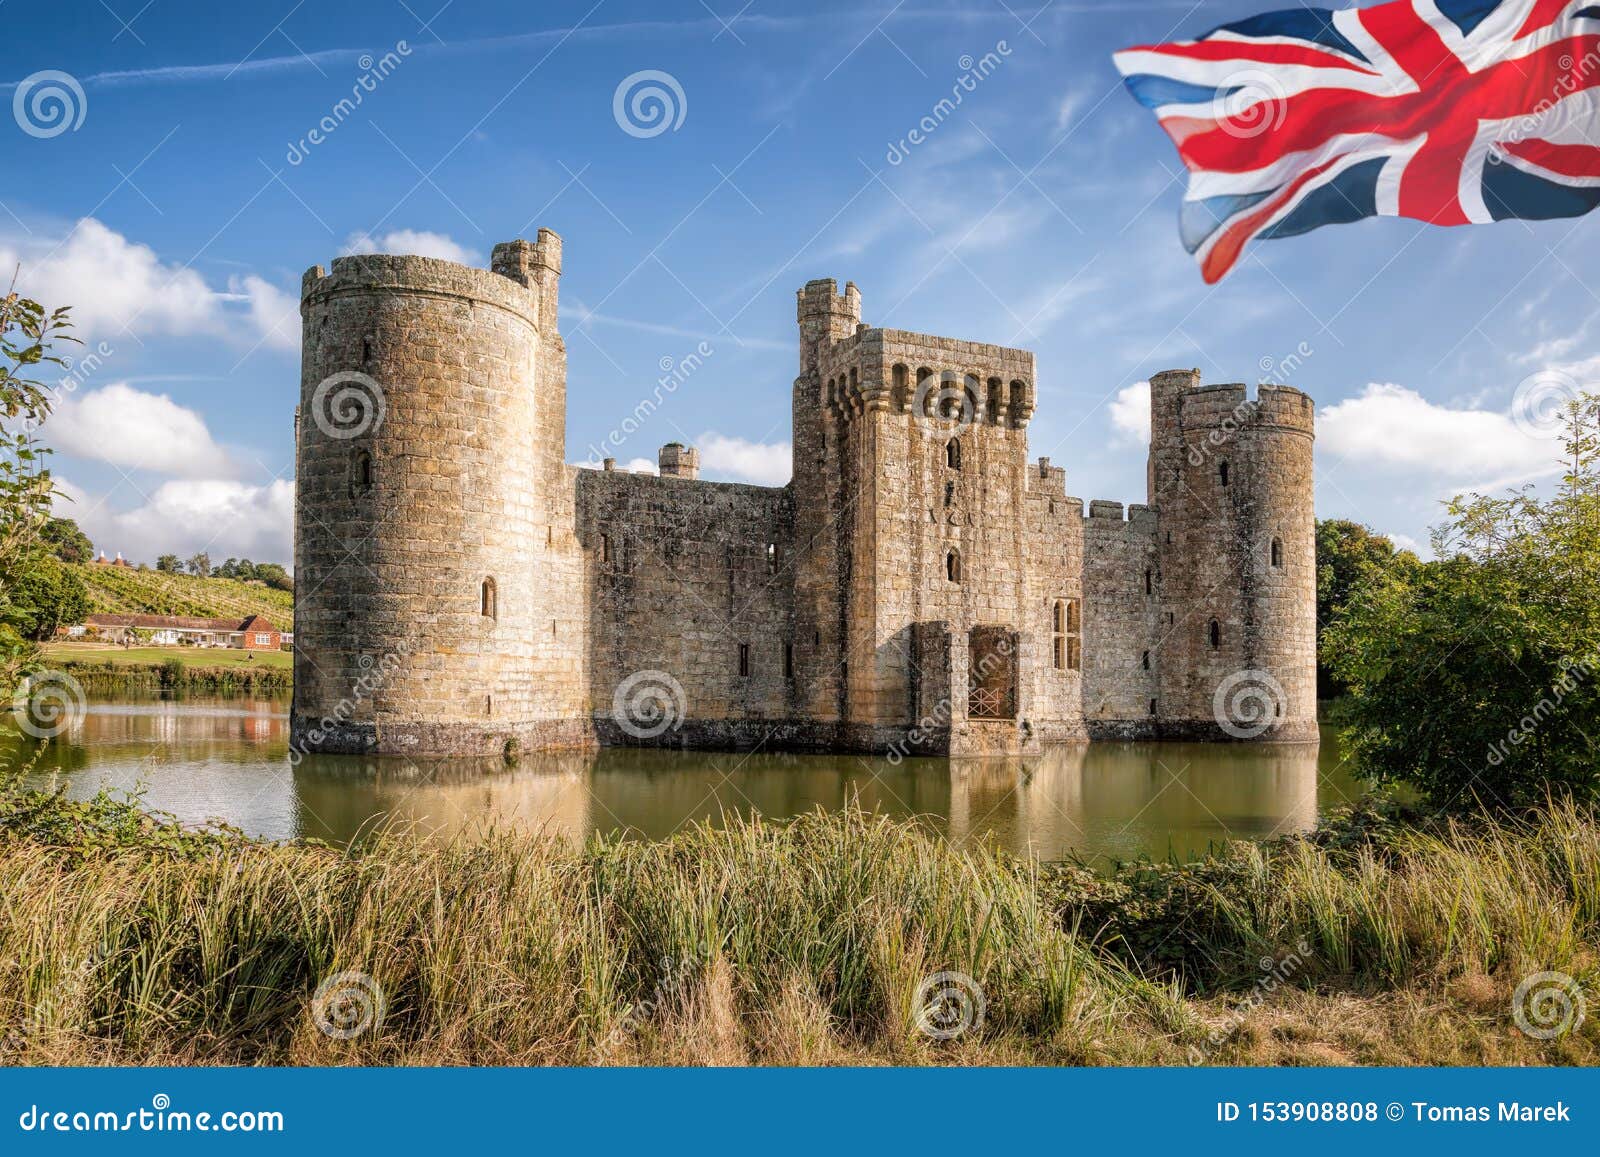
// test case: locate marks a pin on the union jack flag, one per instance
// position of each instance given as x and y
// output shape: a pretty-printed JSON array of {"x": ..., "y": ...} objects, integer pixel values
[{"x": 1449, "y": 111}]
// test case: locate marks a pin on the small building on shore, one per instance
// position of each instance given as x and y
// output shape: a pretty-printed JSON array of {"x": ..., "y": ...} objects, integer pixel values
[{"x": 253, "y": 633}]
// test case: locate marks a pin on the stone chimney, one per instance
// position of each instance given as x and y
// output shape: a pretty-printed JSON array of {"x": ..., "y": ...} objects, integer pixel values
[{"x": 679, "y": 461}]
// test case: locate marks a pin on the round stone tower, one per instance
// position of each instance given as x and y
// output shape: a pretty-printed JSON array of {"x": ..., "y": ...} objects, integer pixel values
[
  {"x": 430, "y": 479},
  {"x": 1231, "y": 478}
]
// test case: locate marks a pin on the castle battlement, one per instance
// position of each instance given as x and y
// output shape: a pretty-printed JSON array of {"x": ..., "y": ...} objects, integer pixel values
[{"x": 918, "y": 586}]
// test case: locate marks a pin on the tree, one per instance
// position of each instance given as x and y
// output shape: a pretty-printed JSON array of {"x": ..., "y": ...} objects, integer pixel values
[
  {"x": 1477, "y": 677},
  {"x": 1347, "y": 552},
  {"x": 46, "y": 596},
  {"x": 28, "y": 333},
  {"x": 200, "y": 564},
  {"x": 169, "y": 564},
  {"x": 67, "y": 541},
  {"x": 275, "y": 576}
]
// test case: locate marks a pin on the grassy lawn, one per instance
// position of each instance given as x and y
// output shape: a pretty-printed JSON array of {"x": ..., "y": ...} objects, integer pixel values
[{"x": 188, "y": 656}]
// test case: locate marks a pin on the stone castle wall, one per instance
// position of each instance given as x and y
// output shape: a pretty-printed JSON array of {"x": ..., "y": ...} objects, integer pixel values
[{"x": 917, "y": 587}]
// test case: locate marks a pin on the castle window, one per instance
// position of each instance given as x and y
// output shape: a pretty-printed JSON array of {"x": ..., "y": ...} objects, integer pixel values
[
  {"x": 1149, "y": 581},
  {"x": 1222, "y": 472},
  {"x": 488, "y": 704},
  {"x": 1277, "y": 552},
  {"x": 744, "y": 658},
  {"x": 1214, "y": 634},
  {"x": 772, "y": 558},
  {"x": 949, "y": 493},
  {"x": 1144, "y": 661},
  {"x": 952, "y": 566},
  {"x": 952, "y": 453},
  {"x": 488, "y": 605},
  {"x": 1152, "y": 706},
  {"x": 366, "y": 351},
  {"x": 605, "y": 548},
  {"x": 788, "y": 660},
  {"x": 997, "y": 401},
  {"x": 360, "y": 473},
  {"x": 1019, "y": 401},
  {"x": 900, "y": 377},
  {"x": 1065, "y": 651}
]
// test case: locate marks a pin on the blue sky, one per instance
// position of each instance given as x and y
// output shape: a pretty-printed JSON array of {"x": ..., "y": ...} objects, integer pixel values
[{"x": 1041, "y": 212}]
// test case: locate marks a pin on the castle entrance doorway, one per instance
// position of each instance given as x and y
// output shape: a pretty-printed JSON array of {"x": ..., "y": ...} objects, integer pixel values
[{"x": 991, "y": 673}]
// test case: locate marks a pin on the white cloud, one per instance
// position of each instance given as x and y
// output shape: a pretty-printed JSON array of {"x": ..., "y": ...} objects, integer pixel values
[
  {"x": 1395, "y": 429},
  {"x": 129, "y": 427},
  {"x": 115, "y": 286},
  {"x": 223, "y": 518},
  {"x": 112, "y": 283},
  {"x": 1130, "y": 413},
  {"x": 413, "y": 242},
  {"x": 1072, "y": 101},
  {"x": 764, "y": 463},
  {"x": 274, "y": 313}
]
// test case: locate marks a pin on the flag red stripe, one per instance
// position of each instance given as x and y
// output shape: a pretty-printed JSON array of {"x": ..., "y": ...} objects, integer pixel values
[
  {"x": 1256, "y": 52},
  {"x": 1230, "y": 243},
  {"x": 1568, "y": 160}
]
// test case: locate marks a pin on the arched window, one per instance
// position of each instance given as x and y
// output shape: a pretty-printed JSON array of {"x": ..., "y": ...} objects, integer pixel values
[
  {"x": 1066, "y": 653},
  {"x": 952, "y": 453},
  {"x": 360, "y": 473},
  {"x": 1222, "y": 472},
  {"x": 489, "y": 600},
  {"x": 1018, "y": 406},
  {"x": 1214, "y": 634},
  {"x": 952, "y": 566},
  {"x": 900, "y": 377},
  {"x": 997, "y": 402},
  {"x": 1277, "y": 552},
  {"x": 1149, "y": 581},
  {"x": 1144, "y": 661},
  {"x": 772, "y": 558}
]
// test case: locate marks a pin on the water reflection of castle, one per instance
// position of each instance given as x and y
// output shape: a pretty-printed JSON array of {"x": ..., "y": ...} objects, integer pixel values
[{"x": 1120, "y": 801}]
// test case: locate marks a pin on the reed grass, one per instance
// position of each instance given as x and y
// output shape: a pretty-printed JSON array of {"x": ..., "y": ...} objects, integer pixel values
[{"x": 755, "y": 942}]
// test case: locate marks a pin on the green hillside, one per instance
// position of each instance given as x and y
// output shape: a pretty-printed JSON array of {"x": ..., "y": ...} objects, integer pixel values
[{"x": 119, "y": 590}]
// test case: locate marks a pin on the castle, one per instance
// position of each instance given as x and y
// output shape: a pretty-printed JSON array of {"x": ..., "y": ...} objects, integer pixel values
[{"x": 919, "y": 587}]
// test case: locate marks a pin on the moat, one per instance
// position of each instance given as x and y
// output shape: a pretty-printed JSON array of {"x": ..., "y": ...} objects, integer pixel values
[{"x": 229, "y": 759}]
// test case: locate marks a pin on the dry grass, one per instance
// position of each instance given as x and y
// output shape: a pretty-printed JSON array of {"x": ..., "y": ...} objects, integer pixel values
[{"x": 802, "y": 943}]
